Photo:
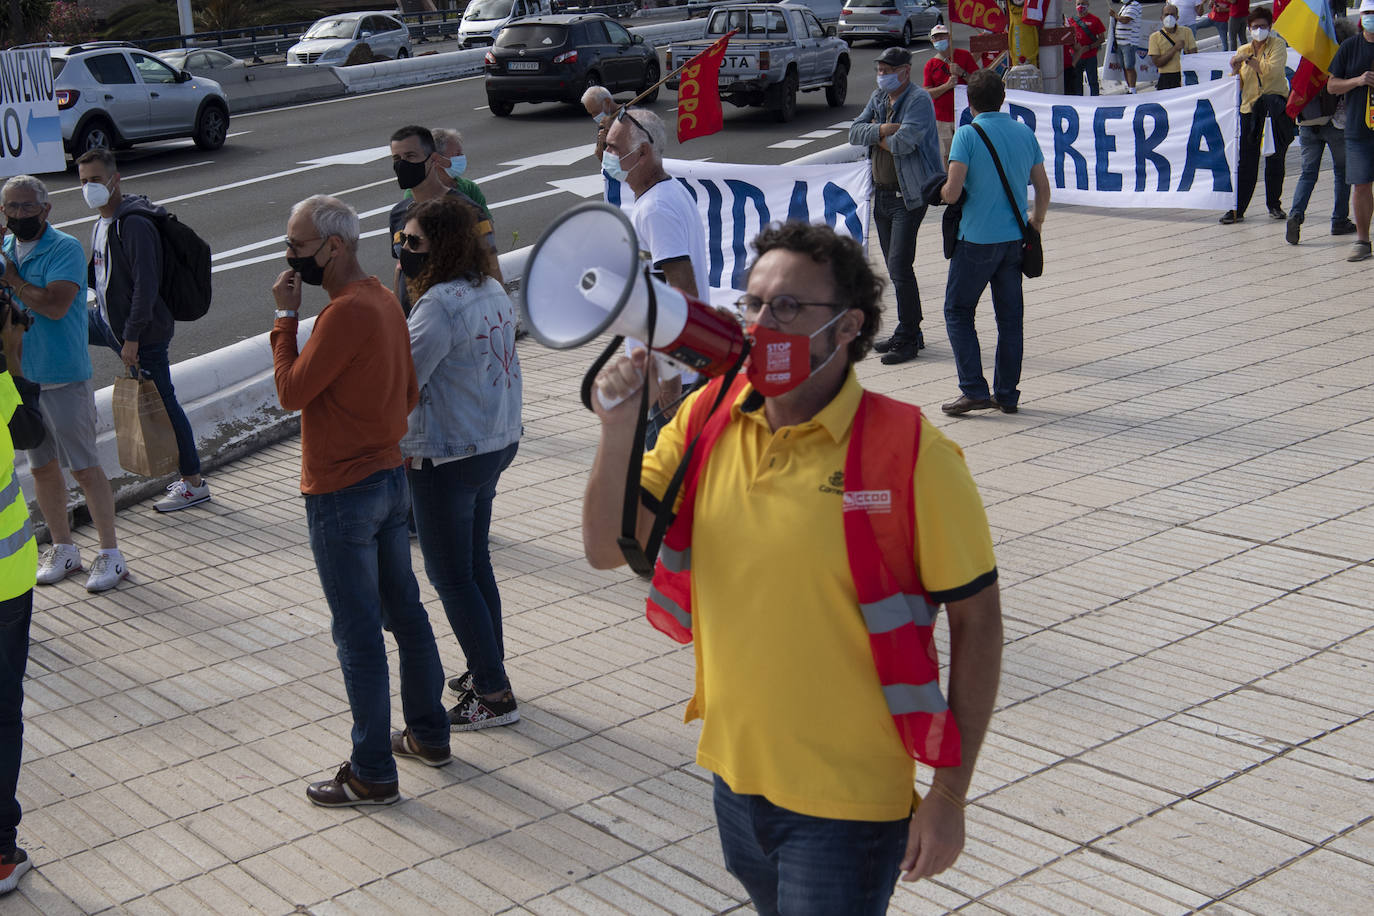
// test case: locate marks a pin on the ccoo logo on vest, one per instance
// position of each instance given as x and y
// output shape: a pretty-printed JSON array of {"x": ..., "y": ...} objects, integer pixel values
[{"x": 876, "y": 501}]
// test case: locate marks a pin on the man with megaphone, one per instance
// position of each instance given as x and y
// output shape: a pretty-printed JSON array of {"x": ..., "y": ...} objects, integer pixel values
[{"x": 818, "y": 529}]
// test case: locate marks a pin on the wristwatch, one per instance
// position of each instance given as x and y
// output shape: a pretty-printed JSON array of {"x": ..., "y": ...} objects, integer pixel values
[{"x": 287, "y": 313}]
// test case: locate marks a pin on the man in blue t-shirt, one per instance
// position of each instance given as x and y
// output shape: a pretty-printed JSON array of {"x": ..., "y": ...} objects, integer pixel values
[
  {"x": 46, "y": 272},
  {"x": 1352, "y": 75},
  {"x": 989, "y": 247}
]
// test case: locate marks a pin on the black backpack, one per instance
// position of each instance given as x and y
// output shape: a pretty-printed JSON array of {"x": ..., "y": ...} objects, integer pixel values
[{"x": 185, "y": 283}]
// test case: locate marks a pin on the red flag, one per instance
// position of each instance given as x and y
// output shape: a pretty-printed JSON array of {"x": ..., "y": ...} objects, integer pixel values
[
  {"x": 982, "y": 14},
  {"x": 698, "y": 93},
  {"x": 1307, "y": 81}
]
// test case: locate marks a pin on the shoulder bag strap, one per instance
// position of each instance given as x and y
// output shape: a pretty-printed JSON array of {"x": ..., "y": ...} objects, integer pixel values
[{"x": 1006, "y": 186}]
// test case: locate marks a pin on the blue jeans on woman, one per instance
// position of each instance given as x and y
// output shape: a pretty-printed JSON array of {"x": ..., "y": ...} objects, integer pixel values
[
  {"x": 972, "y": 269},
  {"x": 801, "y": 865},
  {"x": 153, "y": 363},
  {"x": 1221, "y": 28},
  {"x": 453, "y": 518},
  {"x": 362, "y": 550},
  {"x": 1313, "y": 138},
  {"x": 15, "y": 615}
]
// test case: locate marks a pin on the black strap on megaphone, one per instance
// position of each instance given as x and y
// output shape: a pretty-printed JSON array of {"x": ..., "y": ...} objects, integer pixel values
[{"x": 641, "y": 557}]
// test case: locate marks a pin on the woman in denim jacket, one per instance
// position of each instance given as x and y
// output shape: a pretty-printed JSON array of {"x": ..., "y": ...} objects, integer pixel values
[{"x": 461, "y": 436}]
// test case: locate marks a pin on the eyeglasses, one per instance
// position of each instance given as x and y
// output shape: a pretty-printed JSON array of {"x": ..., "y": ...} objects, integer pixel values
[
  {"x": 625, "y": 114},
  {"x": 295, "y": 244},
  {"x": 413, "y": 242},
  {"x": 27, "y": 208},
  {"x": 783, "y": 308}
]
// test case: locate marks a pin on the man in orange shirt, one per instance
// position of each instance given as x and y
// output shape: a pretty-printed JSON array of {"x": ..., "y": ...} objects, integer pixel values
[{"x": 354, "y": 384}]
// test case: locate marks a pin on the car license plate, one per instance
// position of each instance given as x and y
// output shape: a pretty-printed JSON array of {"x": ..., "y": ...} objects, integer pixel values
[
  {"x": 523, "y": 65},
  {"x": 737, "y": 62}
]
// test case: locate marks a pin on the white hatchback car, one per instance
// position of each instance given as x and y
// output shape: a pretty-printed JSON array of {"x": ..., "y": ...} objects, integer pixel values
[{"x": 330, "y": 40}]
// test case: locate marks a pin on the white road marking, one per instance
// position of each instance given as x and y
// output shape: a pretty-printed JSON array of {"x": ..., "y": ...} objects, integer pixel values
[
  {"x": 842, "y": 125},
  {"x": 582, "y": 186},
  {"x": 356, "y": 157},
  {"x": 175, "y": 168},
  {"x": 525, "y": 199},
  {"x": 482, "y": 108},
  {"x": 820, "y": 134},
  {"x": 788, "y": 144}
]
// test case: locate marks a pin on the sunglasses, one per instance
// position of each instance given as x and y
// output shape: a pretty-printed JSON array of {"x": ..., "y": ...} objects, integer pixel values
[{"x": 413, "y": 242}]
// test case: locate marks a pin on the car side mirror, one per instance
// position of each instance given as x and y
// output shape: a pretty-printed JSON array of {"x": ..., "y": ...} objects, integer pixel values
[
  {"x": 183, "y": 76},
  {"x": 637, "y": 39},
  {"x": 830, "y": 31}
]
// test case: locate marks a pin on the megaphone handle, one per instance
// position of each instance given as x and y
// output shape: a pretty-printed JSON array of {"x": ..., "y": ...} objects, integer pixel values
[
  {"x": 608, "y": 404},
  {"x": 589, "y": 380}
]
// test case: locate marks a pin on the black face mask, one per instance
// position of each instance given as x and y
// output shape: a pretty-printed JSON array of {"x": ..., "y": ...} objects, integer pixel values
[
  {"x": 310, "y": 271},
  {"x": 413, "y": 262},
  {"x": 409, "y": 174},
  {"x": 25, "y": 228}
]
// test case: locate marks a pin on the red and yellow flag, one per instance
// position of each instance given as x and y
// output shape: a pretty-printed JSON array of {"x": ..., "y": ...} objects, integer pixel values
[
  {"x": 698, "y": 93},
  {"x": 982, "y": 14}
]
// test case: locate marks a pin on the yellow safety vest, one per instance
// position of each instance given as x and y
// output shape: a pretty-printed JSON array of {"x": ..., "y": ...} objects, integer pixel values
[{"x": 18, "y": 551}]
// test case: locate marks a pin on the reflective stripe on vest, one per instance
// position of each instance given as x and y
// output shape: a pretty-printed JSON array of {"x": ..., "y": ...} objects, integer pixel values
[
  {"x": 879, "y": 519},
  {"x": 14, "y": 542}
]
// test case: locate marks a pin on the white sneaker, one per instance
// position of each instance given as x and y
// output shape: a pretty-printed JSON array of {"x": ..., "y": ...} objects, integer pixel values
[
  {"x": 57, "y": 563},
  {"x": 106, "y": 572},
  {"x": 181, "y": 495}
]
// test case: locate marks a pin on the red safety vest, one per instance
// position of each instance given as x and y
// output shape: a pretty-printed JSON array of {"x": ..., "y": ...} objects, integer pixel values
[{"x": 879, "y": 523}]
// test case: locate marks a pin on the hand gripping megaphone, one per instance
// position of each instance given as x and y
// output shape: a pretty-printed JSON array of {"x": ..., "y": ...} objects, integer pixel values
[{"x": 585, "y": 277}]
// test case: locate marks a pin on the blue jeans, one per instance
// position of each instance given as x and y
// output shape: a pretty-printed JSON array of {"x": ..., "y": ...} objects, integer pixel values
[
  {"x": 453, "y": 517},
  {"x": 1221, "y": 28},
  {"x": 972, "y": 269},
  {"x": 1084, "y": 69},
  {"x": 897, "y": 227},
  {"x": 797, "y": 864},
  {"x": 1313, "y": 139},
  {"x": 15, "y": 615},
  {"x": 362, "y": 549},
  {"x": 153, "y": 363}
]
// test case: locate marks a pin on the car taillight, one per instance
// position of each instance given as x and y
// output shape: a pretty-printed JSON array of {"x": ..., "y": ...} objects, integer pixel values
[
  {"x": 846, "y": 12},
  {"x": 489, "y": 59},
  {"x": 668, "y": 59},
  {"x": 567, "y": 57},
  {"x": 66, "y": 98},
  {"x": 763, "y": 61},
  {"x": 889, "y": 12}
]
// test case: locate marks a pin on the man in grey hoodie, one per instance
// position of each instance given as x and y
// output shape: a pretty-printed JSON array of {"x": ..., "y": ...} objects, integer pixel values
[{"x": 130, "y": 316}]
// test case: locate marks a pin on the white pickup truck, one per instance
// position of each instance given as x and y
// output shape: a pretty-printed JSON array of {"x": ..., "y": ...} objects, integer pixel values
[{"x": 779, "y": 49}]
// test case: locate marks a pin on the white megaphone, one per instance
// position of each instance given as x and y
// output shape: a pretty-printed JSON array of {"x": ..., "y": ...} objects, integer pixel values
[{"x": 585, "y": 277}]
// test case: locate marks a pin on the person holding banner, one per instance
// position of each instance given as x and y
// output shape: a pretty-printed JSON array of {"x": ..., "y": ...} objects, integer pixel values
[
  {"x": 1263, "y": 98},
  {"x": 1080, "y": 55},
  {"x": 992, "y": 159},
  {"x": 899, "y": 128},
  {"x": 1166, "y": 45},
  {"x": 1352, "y": 75}
]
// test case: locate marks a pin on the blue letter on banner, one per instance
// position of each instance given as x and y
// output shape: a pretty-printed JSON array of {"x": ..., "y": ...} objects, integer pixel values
[
  {"x": 1212, "y": 158},
  {"x": 1104, "y": 144},
  {"x": 1145, "y": 146},
  {"x": 1064, "y": 126},
  {"x": 744, "y": 192}
]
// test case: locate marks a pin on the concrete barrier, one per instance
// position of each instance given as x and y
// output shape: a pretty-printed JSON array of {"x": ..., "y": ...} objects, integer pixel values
[{"x": 255, "y": 88}]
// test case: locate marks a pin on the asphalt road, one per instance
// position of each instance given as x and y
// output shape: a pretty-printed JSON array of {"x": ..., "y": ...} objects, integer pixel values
[{"x": 531, "y": 166}]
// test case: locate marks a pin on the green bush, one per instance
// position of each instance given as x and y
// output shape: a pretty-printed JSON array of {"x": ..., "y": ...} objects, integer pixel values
[{"x": 34, "y": 17}]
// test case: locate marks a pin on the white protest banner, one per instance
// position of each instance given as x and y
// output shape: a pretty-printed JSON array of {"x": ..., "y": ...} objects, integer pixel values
[
  {"x": 736, "y": 201},
  {"x": 1145, "y": 69},
  {"x": 1177, "y": 148},
  {"x": 30, "y": 129},
  {"x": 1215, "y": 65}
]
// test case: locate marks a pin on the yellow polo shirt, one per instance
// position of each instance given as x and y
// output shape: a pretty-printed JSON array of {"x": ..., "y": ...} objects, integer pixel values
[
  {"x": 1160, "y": 44},
  {"x": 1271, "y": 80},
  {"x": 785, "y": 685}
]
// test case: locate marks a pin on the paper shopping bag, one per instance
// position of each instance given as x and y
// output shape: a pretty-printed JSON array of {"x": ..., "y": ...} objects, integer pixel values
[{"x": 147, "y": 444}]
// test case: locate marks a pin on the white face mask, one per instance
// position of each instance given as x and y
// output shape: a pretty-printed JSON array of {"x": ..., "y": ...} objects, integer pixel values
[
  {"x": 1170, "y": 21},
  {"x": 1259, "y": 34},
  {"x": 96, "y": 194}
]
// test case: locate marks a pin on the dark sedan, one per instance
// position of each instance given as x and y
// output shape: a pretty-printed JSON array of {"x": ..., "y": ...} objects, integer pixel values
[{"x": 557, "y": 58}]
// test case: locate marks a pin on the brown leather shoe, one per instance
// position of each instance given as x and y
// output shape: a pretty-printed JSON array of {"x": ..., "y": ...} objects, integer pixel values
[
  {"x": 403, "y": 744},
  {"x": 963, "y": 404},
  {"x": 1005, "y": 408},
  {"x": 345, "y": 789}
]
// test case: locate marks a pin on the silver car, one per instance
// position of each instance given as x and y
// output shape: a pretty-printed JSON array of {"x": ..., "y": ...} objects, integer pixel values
[
  {"x": 888, "y": 20},
  {"x": 111, "y": 94},
  {"x": 202, "y": 61},
  {"x": 330, "y": 40}
]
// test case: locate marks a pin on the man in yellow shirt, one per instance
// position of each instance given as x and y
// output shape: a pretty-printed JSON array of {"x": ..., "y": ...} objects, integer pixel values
[
  {"x": 814, "y": 787},
  {"x": 1167, "y": 44},
  {"x": 1263, "y": 96}
]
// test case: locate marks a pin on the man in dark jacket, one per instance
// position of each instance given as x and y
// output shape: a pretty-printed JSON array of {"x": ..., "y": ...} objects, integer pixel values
[{"x": 130, "y": 316}]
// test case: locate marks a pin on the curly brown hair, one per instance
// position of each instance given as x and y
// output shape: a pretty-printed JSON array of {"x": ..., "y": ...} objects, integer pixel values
[
  {"x": 455, "y": 251},
  {"x": 856, "y": 285}
]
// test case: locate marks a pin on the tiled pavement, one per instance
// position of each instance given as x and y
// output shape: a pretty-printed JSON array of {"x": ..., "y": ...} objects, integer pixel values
[{"x": 1185, "y": 530}]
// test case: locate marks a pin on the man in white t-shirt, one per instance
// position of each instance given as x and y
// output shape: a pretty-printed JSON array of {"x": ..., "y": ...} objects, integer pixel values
[
  {"x": 1128, "y": 38},
  {"x": 1187, "y": 12},
  {"x": 665, "y": 217}
]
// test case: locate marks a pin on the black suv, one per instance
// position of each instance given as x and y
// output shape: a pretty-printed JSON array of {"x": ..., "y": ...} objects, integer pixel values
[{"x": 557, "y": 58}]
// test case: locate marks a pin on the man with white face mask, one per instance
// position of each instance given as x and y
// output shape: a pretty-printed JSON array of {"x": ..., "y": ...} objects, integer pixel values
[
  {"x": 130, "y": 316},
  {"x": 600, "y": 106},
  {"x": 1166, "y": 46},
  {"x": 899, "y": 128},
  {"x": 800, "y": 481}
]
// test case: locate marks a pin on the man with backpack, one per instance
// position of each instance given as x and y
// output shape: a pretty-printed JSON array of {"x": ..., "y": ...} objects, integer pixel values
[{"x": 131, "y": 316}]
